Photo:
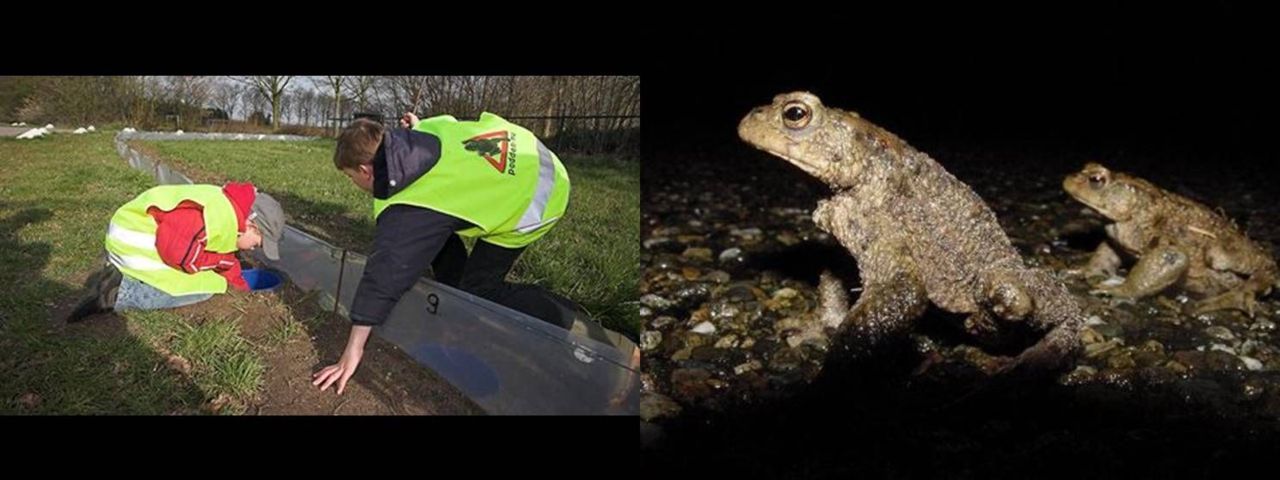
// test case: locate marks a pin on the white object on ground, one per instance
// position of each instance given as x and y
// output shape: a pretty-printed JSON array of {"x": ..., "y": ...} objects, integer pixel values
[
  {"x": 33, "y": 133},
  {"x": 1113, "y": 281}
]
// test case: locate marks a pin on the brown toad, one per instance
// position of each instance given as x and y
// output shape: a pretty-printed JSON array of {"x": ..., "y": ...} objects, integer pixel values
[
  {"x": 919, "y": 235},
  {"x": 1177, "y": 241}
]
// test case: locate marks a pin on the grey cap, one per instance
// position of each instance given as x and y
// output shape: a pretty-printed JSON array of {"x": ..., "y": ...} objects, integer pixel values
[{"x": 269, "y": 217}]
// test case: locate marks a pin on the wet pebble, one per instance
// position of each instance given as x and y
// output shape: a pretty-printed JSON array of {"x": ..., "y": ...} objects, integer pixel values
[
  {"x": 1121, "y": 361},
  {"x": 1218, "y": 347},
  {"x": 704, "y": 328},
  {"x": 1251, "y": 363},
  {"x": 724, "y": 311},
  {"x": 697, "y": 253},
  {"x": 1263, "y": 325},
  {"x": 1152, "y": 346},
  {"x": 647, "y": 383},
  {"x": 1081, "y": 374},
  {"x": 706, "y": 354},
  {"x": 1098, "y": 349},
  {"x": 810, "y": 338},
  {"x": 1249, "y": 347},
  {"x": 1220, "y": 332},
  {"x": 717, "y": 276},
  {"x": 665, "y": 244},
  {"x": 1109, "y": 330},
  {"x": 690, "y": 239},
  {"x": 743, "y": 292},
  {"x": 656, "y": 302},
  {"x": 650, "y": 339},
  {"x": 666, "y": 262},
  {"x": 1146, "y": 358},
  {"x": 1252, "y": 389},
  {"x": 662, "y": 321},
  {"x": 665, "y": 231},
  {"x": 1222, "y": 361},
  {"x": 692, "y": 296},
  {"x": 750, "y": 366},
  {"x": 787, "y": 301},
  {"x": 717, "y": 384},
  {"x": 731, "y": 256},
  {"x": 786, "y": 360},
  {"x": 655, "y": 405},
  {"x": 727, "y": 341},
  {"x": 789, "y": 323}
]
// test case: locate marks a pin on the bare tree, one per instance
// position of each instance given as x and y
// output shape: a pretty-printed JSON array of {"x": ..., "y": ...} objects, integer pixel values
[
  {"x": 553, "y": 91},
  {"x": 227, "y": 96},
  {"x": 334, "y": 83},
  {"x": 361, "y": 87},
  {"x": 410, "y": 92},
  {"x": 306, "y": 102},
  {"x": 188, "y": 91},
  {"x": 80, "y": 99},
  {"x": 287, "y": 109},
  {"x": 323, "y": 104},
  {"x": 270, "y": 87},
  {"x": 255, "y": 103}
]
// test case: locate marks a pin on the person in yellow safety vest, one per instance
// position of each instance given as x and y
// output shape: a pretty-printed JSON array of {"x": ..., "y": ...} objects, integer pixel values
[
  {"x": 175, "y": 245},
  {"x": 435, "y": 182}
]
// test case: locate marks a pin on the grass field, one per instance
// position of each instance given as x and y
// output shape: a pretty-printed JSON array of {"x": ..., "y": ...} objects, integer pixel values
[
  {"x": 55, "y": 198},
  {"x": 239, "y": 353}
]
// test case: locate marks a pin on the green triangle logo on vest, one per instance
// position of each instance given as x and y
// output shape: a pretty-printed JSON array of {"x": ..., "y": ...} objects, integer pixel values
[{"x": 490, "y": 145}]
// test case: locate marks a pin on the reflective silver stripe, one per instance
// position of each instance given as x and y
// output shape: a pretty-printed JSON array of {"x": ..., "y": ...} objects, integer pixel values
[
  {"x": 131, "y": 237},
  {"x": 538, "y": 225},
  {"x": 134, "y": 262},
  {"x": 532, "y": 218}
]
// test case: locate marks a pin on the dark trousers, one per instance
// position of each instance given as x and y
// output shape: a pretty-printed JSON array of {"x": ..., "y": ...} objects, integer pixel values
[{"x": 484, "y": 273}]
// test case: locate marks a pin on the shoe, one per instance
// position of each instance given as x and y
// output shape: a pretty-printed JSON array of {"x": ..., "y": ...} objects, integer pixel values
[{"x": 104, "y": 287}]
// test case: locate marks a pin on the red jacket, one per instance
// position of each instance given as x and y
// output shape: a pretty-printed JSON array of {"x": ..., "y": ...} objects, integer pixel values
[{"x": 181, "y": 239}]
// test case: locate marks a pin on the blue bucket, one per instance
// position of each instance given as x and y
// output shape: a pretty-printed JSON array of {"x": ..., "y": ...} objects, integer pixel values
[{"x": 261, "y": 280}]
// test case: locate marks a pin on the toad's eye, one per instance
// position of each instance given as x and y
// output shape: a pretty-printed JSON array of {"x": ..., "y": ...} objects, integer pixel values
[
  {"x": 1097, "y": 180},
  {"x": 796, "y": 115}
]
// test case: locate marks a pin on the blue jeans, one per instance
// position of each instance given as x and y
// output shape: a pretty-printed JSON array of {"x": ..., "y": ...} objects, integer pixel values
[{"x": 135, "y": 295}]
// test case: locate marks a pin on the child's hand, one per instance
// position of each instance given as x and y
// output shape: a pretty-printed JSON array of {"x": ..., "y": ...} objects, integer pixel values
[{"x": 408, "y": 120}]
